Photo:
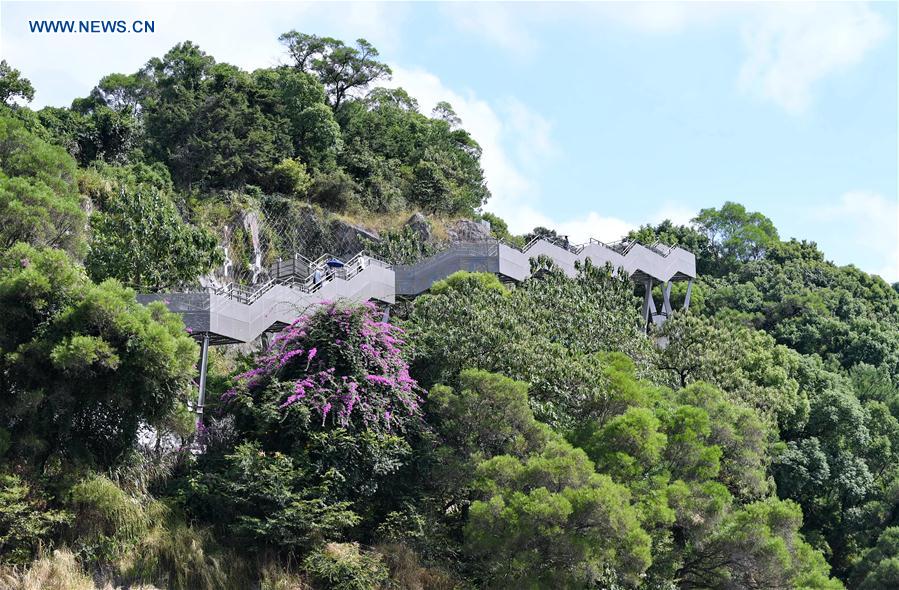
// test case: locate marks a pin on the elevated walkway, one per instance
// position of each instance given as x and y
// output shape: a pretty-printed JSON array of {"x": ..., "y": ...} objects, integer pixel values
[{"x": 232, "y": 313}]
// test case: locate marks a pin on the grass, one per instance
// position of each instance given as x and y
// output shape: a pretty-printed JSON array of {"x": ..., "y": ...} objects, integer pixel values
[
  {"x": 56, "y": 571},
  {"x": 381, "y": 222}
]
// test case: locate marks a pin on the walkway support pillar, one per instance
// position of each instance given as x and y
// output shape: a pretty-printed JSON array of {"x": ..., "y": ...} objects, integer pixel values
[
  {"x": 687, "y": 298},
  {"x": 649, "y": 306},
  {"x": 666, "y": 299},
  {"x": 204, "y": 362}
]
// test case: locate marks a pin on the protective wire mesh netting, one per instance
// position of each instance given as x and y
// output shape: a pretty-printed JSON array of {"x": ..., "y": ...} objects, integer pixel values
[
  {"x": 282, "y": 238},
  {"x": 291, "y": 229}
]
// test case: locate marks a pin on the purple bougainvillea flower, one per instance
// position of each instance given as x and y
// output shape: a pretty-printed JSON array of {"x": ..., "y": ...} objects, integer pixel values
[{"x": 362, "y": 382}]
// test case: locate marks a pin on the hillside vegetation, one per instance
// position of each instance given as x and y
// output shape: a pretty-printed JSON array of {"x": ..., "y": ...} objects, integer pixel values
[{"x": 490, "y": 436}]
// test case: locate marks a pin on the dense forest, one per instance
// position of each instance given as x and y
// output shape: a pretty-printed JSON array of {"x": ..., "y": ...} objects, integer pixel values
[{"x": 487, "y": 436}]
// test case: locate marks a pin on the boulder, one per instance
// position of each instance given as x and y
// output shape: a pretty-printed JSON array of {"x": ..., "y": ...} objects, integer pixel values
[
  {"x": 350, "y": 239},
  {"x": 420, "y": 226},
  {"x": 466, "y": 230}
]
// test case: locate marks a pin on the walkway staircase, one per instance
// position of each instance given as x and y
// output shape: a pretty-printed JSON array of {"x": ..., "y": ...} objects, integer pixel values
[{"x": 234, "y": 313}]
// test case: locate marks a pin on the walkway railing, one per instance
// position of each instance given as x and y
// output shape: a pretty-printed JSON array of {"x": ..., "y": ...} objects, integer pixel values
[
  {"x": 309, "y": 276},
  {"x": 239, "y": 313}
]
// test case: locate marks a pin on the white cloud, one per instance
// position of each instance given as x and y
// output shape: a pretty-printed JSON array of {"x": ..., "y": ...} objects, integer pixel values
[
  {"x": 515, "y": 141},
  {"x": 661, "y": 17},
  {"x": 794, "y": 46},
  {"x": 678, "y": 214},
  {"x": 592, "y": 225},
  {"x": 788, "y": 47},
  {"x": 869, "y": 223},
  {"x": 509, "y": 185},
  {"x": 498, "y": 23}
]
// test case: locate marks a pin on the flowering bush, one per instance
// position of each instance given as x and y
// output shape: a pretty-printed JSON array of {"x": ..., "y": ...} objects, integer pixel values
[{"x": 344, "y": 364}]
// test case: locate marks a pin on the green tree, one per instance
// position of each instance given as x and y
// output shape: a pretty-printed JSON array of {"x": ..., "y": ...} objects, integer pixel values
[
  {"x": 83, "y": 365},
  {"x": 488, "y": 415},
  {"x": 27, "y": 524},
  {"x": 141, "y": 240},
  {"x": 339, "y": 67},
  {"x": 551, "y": 521},
  {"x": 879, "y": 567},
  {"x": 300, "y": 98},
  {"x": 841, "y": 468},
  {"x": 735, "y": 234},
  {"x": 39, "y": 202},
  {"x": 813, "y": 306},
  {"x": 395, "y": 150},
  {"x": 207, "y": 121},
  {"x": 758, "y": 546},
  {"x": 629, "y": 445},
  {"x": 104, "y": 133},
  {"x": 290, "y": 177},
  {"x": 13, "y": 84},
  {"x": 546, "y": 332},
  {"x": 267, "y": 501},
  {"x": 745, "y": 363}
]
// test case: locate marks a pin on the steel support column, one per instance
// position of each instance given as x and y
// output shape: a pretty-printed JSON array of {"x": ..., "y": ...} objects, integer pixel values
[
  {"x": 649, "y": 305},
  {"x": 687, "y": 298},
  {"x": 204, "y": 362},
  {"x": 666, "y": 299}
]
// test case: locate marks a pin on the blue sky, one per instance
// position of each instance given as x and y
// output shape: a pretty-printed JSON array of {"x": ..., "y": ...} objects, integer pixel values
[{"x": 594, "y": 118}]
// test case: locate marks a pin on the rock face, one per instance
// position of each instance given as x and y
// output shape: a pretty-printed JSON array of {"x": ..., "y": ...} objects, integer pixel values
[
  {"x": 465, "y": 230},
  {"x": 420, "y": 226},
  {"x": 350, "y": 239}
]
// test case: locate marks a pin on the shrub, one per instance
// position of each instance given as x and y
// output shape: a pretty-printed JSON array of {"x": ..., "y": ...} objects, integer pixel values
[
  {"x": 273, "y": 576},
  {"x": 26, "y": 523},
  {"x": 402, "y": 246},
  {"x": 462, "y": 281},
  {"x": 107, "y": 520},
  {"x": 290, "y": 177},
  {"x": 334, "y": 190},
  {"x": 344, "y": 364},
  {"x": 342, "y": 566},
  {"x": 408, "y": 573},
  {"x": 267, "y": 500},
  {"x": 178, "y": 557}
]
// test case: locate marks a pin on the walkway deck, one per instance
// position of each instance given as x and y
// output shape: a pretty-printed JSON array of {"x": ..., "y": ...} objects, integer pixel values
[{"x": 233, "y": 314}]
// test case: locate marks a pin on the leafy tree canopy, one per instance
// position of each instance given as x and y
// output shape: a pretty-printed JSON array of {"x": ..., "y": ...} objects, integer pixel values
[
  {"x": 13, "y": 84},
  {"x": 39, "y": 201},
  {"x": 141, "y": 240},
  {"x": 339, "y": 67},
  {"x": 84, "y": 365}
]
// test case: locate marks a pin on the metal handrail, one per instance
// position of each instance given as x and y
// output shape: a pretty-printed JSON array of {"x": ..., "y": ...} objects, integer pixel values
[
  {"x": 305, "y": 281},
  {"x": 530, "y": 244},
  {"x": 558, "y": 242},
  {"x": 661, "y": 249}
]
